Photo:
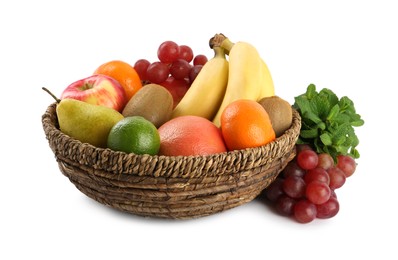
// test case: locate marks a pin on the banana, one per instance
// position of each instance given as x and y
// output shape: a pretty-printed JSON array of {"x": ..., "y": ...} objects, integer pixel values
[
  {"x": 206, "y": 92},
  {"x": 248, "y": 76},
  {"x": 267, "y": 88}
]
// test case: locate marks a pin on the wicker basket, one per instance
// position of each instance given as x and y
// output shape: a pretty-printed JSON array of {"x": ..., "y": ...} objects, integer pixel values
[{"x": 169, "y": 187}]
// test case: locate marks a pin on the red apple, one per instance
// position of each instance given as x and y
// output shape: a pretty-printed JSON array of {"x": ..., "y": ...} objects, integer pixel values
[{"x": 97, "y": 90}]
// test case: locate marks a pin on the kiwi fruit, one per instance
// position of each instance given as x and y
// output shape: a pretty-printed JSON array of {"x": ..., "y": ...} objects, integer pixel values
[
  {"x": 280, "y": 113},
  {"x": 153, "y": 102}
]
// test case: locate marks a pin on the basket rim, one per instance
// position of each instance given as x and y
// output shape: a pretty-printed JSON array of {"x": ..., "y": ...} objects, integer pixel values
[{"x": 50, "y": 125}]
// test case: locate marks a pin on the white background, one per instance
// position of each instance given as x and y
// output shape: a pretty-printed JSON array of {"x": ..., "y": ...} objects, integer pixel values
[{"x": 350, "y": 47}]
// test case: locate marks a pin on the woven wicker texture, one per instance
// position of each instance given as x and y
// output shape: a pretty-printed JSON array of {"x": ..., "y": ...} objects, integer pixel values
[{"x": 169, "y": 187}]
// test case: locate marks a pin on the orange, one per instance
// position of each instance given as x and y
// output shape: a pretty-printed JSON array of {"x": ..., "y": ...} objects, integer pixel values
[
  {"x": 190, "y": 135},
  {"x": 246, "y": 124},
  {"x": 124, "y": 73}
]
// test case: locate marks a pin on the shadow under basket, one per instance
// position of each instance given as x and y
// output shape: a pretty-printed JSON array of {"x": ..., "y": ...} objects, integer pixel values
[{"x": 180, "y": 187}]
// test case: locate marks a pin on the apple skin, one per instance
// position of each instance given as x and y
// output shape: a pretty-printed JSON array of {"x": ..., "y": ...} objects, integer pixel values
[{"x": 97, "y": 90}]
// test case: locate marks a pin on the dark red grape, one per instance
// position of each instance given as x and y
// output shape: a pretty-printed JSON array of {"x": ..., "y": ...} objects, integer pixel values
[
  {"x": 325, "y": 161},
  {"x": 328, "y": 209},
  {"x": 294, "y": 187},
  {"x": 307, "y": 159},
  {"x": 141, "y": 66},
  {"x": 292, "y": 169},
  {"x": 274, "y": 190},
  {"x": 177, "y": 88},
  {"x": 317, "y": 174},
  {"x": 186, "y": 53},
  {"x": 317, "y": 192},
  {"x": 193, "y": 73},
  {"x": 304, "y": 211},
  {"x": 180, "y": 69},
  {"x": 200, "y": 59},
  {"x": 337, "y": 178},
  {"x": 168, "y": 52},
  {"x": 347, "y": 164},
  {"x": 285, "y": 205},
  {"x": 157, "y": 72}
]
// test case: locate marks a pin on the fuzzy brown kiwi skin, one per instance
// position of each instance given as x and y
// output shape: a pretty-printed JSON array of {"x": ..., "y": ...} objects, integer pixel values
[
  {"x": 280, "y": 113},
  {"x": 153, "y": 102}
]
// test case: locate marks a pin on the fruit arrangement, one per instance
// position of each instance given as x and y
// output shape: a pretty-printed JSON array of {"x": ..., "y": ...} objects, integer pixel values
[{"x": 186, "y": 105}]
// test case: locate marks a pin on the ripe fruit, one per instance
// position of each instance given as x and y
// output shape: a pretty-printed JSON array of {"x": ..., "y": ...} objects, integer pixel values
[
  {"x": 168, "y": 52},
  {"x": 280, "y": 113},
  {"x": 153, "y": 102},
  {"x": 246, "y": 124},
  {"x": 177, "y": 88},
  {"x": 347, "y": 164},
  {"x": 134, "y": 134},
  {"x": 124, "y": 73},
  {"x": 305, "y": 193},
  {"x": 190, "y": 135},
  {"x": 86, "y": 122},
  {"x": 97, "y": 90}
]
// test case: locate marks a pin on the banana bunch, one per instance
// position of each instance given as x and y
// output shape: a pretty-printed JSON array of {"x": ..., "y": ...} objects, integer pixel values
[
  {"x": 249, "y": 76},
  {"x": 220, "y": 82},
  {"x": 206, "y": 92}
]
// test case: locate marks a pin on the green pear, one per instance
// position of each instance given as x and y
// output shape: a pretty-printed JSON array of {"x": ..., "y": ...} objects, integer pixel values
[{"x": 86, "y": 122}]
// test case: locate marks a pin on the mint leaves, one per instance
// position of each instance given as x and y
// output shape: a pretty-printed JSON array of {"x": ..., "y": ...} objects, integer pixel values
[{"x": 327, "y": 122}]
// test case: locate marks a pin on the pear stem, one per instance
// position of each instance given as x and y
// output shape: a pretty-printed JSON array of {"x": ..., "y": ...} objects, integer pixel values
[{"x": 51, "y": 94}]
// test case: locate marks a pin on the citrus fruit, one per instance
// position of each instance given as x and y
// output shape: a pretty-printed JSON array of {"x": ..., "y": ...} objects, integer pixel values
[
  {"x": 124, "y": 73},
  {"x": 190, "y": 135},
  {"x": 134, "y": 134},
  {"x": 246, "y": 124}
]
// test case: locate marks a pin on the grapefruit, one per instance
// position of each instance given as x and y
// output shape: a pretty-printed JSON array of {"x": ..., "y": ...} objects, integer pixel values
[{"x": 190, "y": 135}]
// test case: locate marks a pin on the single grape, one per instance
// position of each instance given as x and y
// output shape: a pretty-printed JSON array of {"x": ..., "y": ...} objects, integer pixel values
[
  {"x": 141, "y": 66},
  {"x": 292, "y": 169},
  {"x": 194, "y": 72},
  {"x": 168, "y": 52},
  {"x": 317, "y": 192},
  {"x": 317, "y": 174},
  {"x": 180, "y": 69},
  {"x": 177, "y": 88},
  {"x": 307, "y": 159},
  {"x": 274, "y": 190},
  {"x": 200, "y": 59},
  {"x": 157, "y": 72},
  {"x": 328, "y": 209},
  {"x": 347, "y": 164},
  {"x": 294, "y": 186},
  {"x": 304, "y": 211},
  {"x": 337, "y": 178},
  {"x": 186, "y": 53},
  {"x": 325, "y": 161},
  {"x": 285, "y": 205}
]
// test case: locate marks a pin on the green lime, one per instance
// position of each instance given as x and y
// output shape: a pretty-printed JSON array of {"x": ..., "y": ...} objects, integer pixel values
[{"x": 134, "y": 134}]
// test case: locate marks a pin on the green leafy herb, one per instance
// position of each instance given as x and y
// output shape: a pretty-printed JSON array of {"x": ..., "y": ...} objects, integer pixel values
[{"x": 327, "y": 122}]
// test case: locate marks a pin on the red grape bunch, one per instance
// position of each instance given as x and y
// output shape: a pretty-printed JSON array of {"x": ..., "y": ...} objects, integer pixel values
[
  {"x": 306, "y": 187},
  {"x": 176, "y": 68}
]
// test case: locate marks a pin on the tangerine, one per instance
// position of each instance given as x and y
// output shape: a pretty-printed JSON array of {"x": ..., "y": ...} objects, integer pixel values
[
  {"x": 190, "y": 135},
  {"x": 246, "y": 124},
  {"x": 124, "y": 73}
]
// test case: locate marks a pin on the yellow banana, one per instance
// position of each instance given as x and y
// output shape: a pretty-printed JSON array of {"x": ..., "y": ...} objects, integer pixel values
[
  {"x": 246, "y": 73},
  {"x": 206, "y": 92},
  {"x": 267, "y": 88}
]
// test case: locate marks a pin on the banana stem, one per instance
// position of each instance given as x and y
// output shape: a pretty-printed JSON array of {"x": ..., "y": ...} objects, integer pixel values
[
  {"x": 219, "y": 52},
  {"x": 220, "y": 40}
]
